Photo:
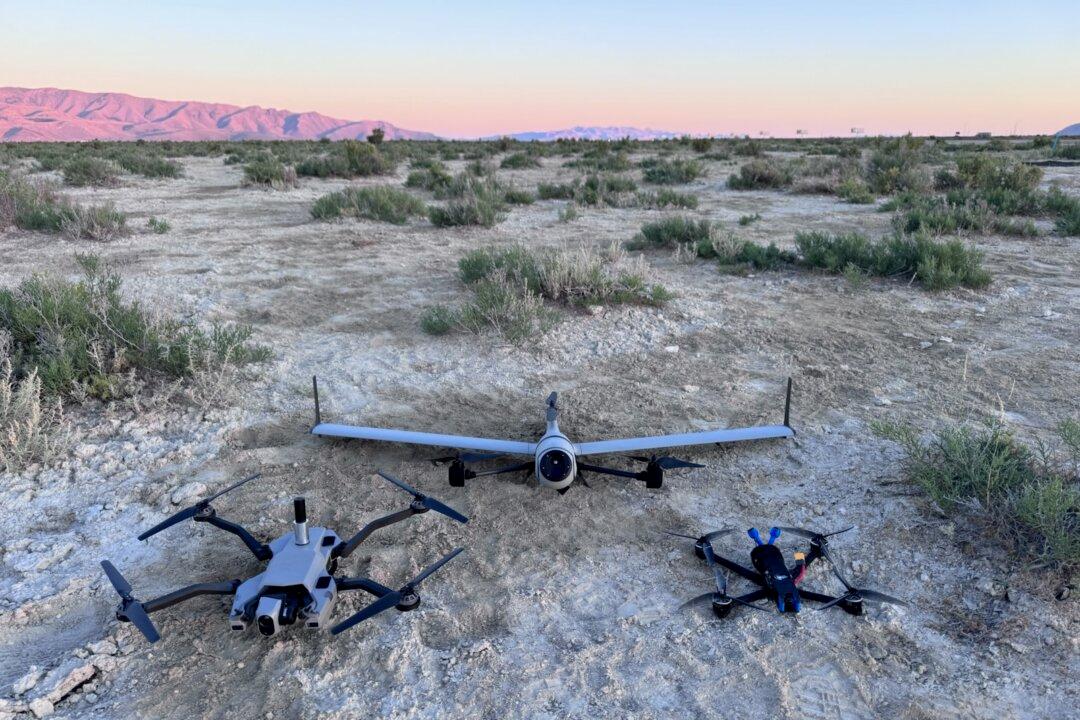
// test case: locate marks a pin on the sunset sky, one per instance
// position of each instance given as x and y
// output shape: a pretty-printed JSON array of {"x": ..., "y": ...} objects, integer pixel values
[{"x": 472, "y": 69}]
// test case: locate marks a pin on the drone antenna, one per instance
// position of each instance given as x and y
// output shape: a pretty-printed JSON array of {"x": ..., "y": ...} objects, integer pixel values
[
  {"x": 787, "y": 406},
  {"x": 315, "y": 392},
  {"x": 300, "y": 524}
]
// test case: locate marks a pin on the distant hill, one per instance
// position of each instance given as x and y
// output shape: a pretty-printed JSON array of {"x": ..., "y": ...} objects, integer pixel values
[
  {"x": 593, "y": 133},
  {"x": 1071, "y": 131},
  {"x": 49, "y": 114}
]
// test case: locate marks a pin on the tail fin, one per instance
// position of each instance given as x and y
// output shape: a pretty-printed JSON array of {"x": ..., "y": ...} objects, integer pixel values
[{"x": 552, "y": 407}]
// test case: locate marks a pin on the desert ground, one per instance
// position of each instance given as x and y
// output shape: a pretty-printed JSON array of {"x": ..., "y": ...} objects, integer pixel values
[{"x": 561, "y": 606}]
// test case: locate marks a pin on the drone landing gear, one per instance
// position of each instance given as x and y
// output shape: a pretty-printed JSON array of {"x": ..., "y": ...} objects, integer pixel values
[{"x": 459, "y": 474}]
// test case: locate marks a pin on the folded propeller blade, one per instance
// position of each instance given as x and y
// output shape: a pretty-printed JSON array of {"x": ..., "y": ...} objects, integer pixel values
[
  {"x": 193, "y": 510},
  {"x": 429, "y": 502},
  {"x": 392, "y": 598},
  {"x": 718, "y": 574},
  {"x": 130, "y": 608},
  {"x": 384, "y": 603}
]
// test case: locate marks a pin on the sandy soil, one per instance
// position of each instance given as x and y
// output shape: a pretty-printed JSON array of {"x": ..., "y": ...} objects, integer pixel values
[{"x": 562, "y": 606}]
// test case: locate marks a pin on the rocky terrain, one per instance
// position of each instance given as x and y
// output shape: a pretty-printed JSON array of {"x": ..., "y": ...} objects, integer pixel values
[{"x": 562, "y": 606}]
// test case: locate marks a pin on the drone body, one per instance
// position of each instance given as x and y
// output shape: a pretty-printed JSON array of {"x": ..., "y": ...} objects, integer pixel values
[
  {"x": 298, "y": 584},
  {"x": 556, "y": 460},
  {"x": 777, "y": 581}
]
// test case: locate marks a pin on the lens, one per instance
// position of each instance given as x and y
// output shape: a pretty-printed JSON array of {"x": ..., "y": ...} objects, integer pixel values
[
  {"x": 266, "y": 625},
  {"x": 556, "y": 465}
]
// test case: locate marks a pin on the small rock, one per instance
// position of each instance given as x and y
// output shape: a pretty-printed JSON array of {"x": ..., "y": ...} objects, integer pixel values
[
  {"x": 926, "y": 344},
  {"x": 945, "y": 339},
  {"x": 690, "y": 388},
  {"x": 878, "y": 652},
  {"x": 671, "y": 349},
  {"x": 882, "y": 401},
  {"x": 183, "y": 494},
  {"x": 596, "y": 309},
  {"x": 91, "y": 698},
  {"x": 72, "y": 680},
  {"x": 27, "y": 681},
  {"x": 104, "y": 647},
  {"x": 924, "y": 577},
  {"x": 41, "y": 708}
]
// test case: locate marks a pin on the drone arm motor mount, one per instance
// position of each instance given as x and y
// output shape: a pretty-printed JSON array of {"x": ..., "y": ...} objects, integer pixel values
[
  {"x": 345, "y": 549},
  {"x": 227, "y": 587},
  {"x": 260, "y": 550}
]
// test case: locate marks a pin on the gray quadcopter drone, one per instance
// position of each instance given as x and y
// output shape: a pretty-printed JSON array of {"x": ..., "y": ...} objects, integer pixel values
[
  {"x": 298, "y": 583},
  {"x": 555, "y": 459}
]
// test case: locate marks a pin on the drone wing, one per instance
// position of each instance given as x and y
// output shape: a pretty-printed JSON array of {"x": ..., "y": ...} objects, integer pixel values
[
  {"x": 708, "y": 437},
  {"x": 459, "y": 442}
]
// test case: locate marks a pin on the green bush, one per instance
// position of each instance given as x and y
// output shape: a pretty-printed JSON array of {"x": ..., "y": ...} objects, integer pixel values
[
  {"x": 556, "y": 191},
  {"x": 937, "y": 265},
  {"x": 518, "y": 196},
  {"x": 855, "y": 191},
  {"x": 1030, "y": 499},
  {"x": 894, "y": 166},
  {"x": 667, "y": 198},
  {"x": 35, "y": 206},
  {"x": 749, "y": 219},
  {"x": 381, "y": 202},
  {"x": 671, "y": 232},
  {"x": 82, "y": 337},
  {"x": 434, "y": 178},
  {"x": 365, "y": 159},
  {"x": 519, "y": 161},
  {"x": 761, "y": 174},
  {"x": 158, "y": 226},
  {"x": 268, "y": 171},
  {"x": 674, "y": 172},
  {"x": 85, "y": 170},
  {"x": 477, "y": 209}
]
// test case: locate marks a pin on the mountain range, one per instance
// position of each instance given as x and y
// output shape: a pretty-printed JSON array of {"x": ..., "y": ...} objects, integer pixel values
[{"x": 49, "y": 114}]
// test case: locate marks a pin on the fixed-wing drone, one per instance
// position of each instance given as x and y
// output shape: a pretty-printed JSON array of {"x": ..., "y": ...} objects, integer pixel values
[
  {"x": 298, "y": 582},
  {"x": 776, "y": 581},
  {"x": 555, "y": 460}
]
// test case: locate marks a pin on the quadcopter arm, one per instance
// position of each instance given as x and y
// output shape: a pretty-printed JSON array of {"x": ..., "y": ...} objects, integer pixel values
[
  {"x": 227, "y": 587},
  {"x": 345, "y": 549},
  {"x": 258, "y": 549},
  {"x": 740, "y": 570},
  {"x": 360, "y": 583}
]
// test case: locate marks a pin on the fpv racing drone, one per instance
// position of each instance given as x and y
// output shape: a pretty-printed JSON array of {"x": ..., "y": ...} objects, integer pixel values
[
  {"x": 775, "y": 580},
  {"x": 555, "y": 460},
  {"x": 299, "y": 582}
]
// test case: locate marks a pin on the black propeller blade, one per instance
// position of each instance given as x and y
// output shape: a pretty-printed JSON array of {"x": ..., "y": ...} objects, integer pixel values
[
  {"x": 429, "y": 502},
  {"x": 720, "y": 578},
  {"x": 854, "y": 592},
  {"x": 190, "y": 512},
  {"x": 130, "y": 608},
  {"x": 665, "y": 462},
  {"x": 822, "y": 539},
  {"x": 707, "y": 537},
  {"x": 466, "y": 457},
  {"x": 394, "y": 597}
]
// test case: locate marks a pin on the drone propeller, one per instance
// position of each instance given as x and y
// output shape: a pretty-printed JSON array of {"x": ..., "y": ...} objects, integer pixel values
[
  {"x": 466, "y": 457},
  {"x": 130, "y": 608},
  {"x": 429, "y": 502},
  {"x": 720, "y": 577},
  {"x": 394, "y": 597},
  {"x": 666, "y": 462},
  {"x": 193, "y": 510},
  {"x": 822, "y": 539},
  {"x": 854, "y": 593},
  {"x": 706, "y": 538}
]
